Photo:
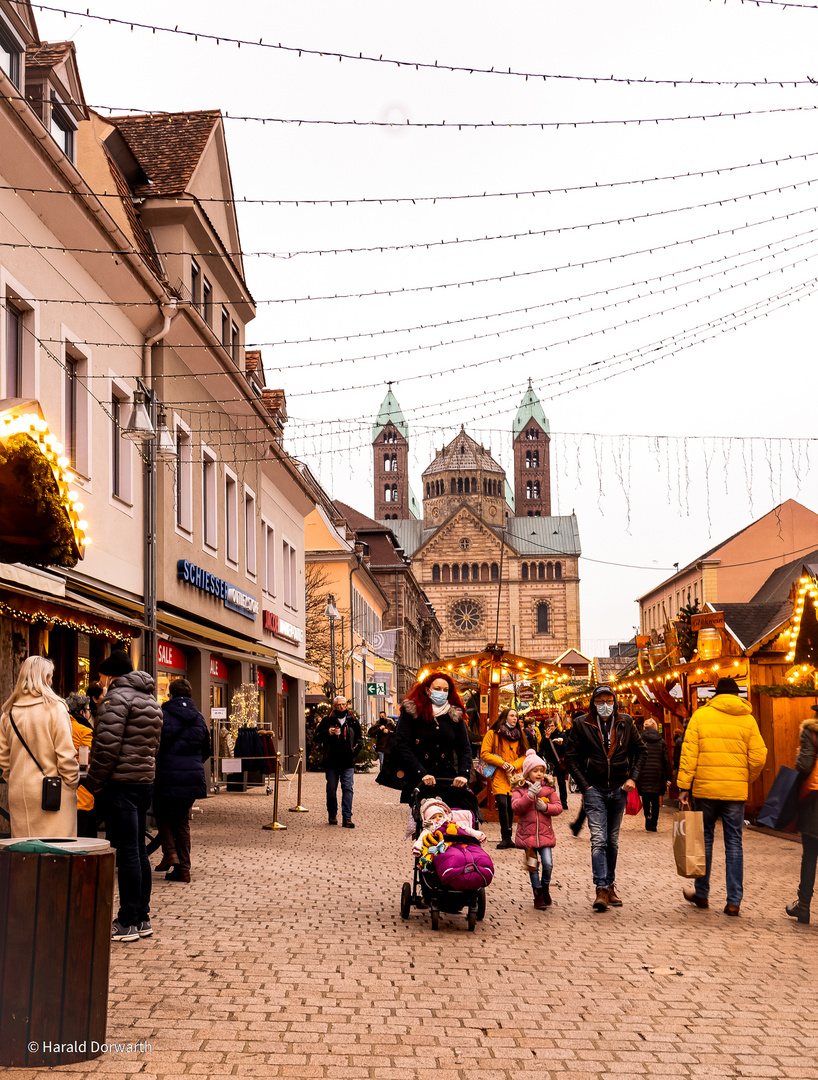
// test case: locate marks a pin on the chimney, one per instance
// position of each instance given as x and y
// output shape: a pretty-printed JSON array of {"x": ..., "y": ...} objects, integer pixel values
[
  {"x": 275, "y": 403},
  {"x": 252, "y": 360}
]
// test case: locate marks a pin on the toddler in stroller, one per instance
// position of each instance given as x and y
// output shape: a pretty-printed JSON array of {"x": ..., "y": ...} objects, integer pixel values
[{"x": 451, "y": 868}]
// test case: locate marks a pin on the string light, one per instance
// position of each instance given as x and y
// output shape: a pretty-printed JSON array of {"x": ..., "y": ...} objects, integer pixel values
[
  {"x": 425, "y": 65},
  {"x": 807, "y": 588},
  {"x": 384, "y": 200},
  {"x": 68, "y": 624}
]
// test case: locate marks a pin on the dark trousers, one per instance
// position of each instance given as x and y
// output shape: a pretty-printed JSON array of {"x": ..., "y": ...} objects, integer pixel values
[
  {"x": 126, "y": 810},
  {"x": 505, "y": 814},
  {"x": 650, "y": 805},
  {"x": 809, "y": 861},
  {"x": 173, "y": 825},
  {"x": 559, "y": 776},
  {"x": 87, "y": 823}
]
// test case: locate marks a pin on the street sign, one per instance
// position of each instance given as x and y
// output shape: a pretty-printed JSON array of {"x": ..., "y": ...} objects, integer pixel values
[{"x": 376, "y": 689}]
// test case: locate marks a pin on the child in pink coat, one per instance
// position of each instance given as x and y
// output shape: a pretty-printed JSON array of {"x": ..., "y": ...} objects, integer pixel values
[{"x": 534, "y": 802}]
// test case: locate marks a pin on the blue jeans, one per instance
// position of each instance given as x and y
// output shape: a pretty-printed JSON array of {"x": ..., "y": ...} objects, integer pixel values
[
  {"x": 345, "y": 776},
  {"x": 547, "y": 860},
  {"x": 126, "y": 808},
  {"x": 380, "y": 754},
  {"x": 732, "y": 820},
  {"x": 604, "y": 808}
]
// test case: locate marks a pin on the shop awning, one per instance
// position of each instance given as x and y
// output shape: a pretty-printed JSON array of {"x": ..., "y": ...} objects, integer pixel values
[
  {"x": 297, "y": 669},
  {"x": 233, "y": 647},
  {"x": 83, "y": 616}
]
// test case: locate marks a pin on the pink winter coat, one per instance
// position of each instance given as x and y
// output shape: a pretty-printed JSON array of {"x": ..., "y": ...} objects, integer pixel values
[{"x": 534, "y": 827}]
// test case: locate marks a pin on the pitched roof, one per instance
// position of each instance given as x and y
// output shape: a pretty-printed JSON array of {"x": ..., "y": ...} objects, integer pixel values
[
  {"x": 168, "y": 146},
  {"x": 541, "y": 538},
  {"x": 463, "y": 453},
  {"x": 48, "y": 53},
  {"x": 778, "y": 584},
  {"x": 530, "y": 409},
  {"x": 360, "y": 522},
  {"x": 751, "y": 623},
  {"x": 390, "y": 411}
]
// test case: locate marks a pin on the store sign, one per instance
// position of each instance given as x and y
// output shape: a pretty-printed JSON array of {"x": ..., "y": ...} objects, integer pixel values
[
  {"x": 218, "y": 669},
  {"x": 280, "y": 628},
  {"x": 169, "y": 656},
  {"x": 708, "y": 620},
  {"x": 231, "y": 597}
]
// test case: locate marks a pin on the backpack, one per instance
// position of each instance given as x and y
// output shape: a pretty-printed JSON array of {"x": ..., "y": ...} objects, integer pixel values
[{"x": 464, "y": 865}]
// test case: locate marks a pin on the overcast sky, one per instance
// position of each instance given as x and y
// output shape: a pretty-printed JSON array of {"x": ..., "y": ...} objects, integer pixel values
[{"x": 659, "y": 347}]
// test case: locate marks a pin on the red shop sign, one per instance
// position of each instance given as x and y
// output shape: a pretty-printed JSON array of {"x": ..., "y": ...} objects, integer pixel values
[
  {"x": 218, "y": 669},
  {"x": 169, "y": 656},
  {"x": 260, "y": 680}
]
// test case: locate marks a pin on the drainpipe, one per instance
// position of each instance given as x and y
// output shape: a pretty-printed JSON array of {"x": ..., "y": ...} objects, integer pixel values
[{"x": 169, "y": 310}]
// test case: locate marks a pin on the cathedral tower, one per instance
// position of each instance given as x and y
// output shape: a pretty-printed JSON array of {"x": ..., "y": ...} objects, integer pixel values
[
  {"x": 532, "y": 458},
  {"x": 390, "y": 449}
]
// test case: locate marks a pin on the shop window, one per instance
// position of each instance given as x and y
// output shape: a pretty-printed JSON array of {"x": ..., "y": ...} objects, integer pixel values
[
  {"x": 231, "y": 516},
  {"x": 250, "y": 531},
  {"x": 184, "y": 477},
  {"x": 209, "y": 514}
]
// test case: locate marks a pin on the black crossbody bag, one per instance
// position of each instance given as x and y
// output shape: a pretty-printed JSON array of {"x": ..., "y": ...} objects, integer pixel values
[{"x": 52, "y": 785}]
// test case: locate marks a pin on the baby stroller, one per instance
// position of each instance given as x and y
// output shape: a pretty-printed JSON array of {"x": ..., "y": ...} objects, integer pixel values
[{"x": 426, "y": 889}]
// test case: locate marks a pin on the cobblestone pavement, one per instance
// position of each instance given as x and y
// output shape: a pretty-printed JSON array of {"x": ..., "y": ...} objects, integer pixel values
[{"x": 286, "y": 957}]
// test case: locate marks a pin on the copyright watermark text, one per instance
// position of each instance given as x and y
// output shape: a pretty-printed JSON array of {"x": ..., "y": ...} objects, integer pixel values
[{"x": 88, "y": 1047}]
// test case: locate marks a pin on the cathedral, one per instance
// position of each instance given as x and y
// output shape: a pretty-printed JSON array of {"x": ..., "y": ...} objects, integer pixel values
[{"x": 494, "y": 562}]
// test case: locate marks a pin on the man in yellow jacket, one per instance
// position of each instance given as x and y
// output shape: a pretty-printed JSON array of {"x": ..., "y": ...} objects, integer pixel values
[{"x": 722, "y": 754}]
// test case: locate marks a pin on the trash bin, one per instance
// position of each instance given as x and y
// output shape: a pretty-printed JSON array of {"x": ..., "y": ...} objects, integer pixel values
[{"x": 55, "y": 950}]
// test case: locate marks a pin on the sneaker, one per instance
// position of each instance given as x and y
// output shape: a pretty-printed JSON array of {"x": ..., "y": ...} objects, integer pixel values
[
  {"x": 123, "y": 933},
  {"x": 601, "y": 902},
  {"x": 613, "y": 899},
  {"x": 144, "y": 928}
]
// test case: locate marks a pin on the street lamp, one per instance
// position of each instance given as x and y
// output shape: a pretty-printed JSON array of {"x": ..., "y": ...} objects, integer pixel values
[{"x": 331, "y": 612}]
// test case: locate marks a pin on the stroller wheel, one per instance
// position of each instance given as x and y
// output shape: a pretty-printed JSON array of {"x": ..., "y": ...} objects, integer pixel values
[
  {"x": 405, "y": 900},
  {"x": 435, "y": 914},
  {"x": 472, "y": 919},
  {"x": 481, "y": 904}
]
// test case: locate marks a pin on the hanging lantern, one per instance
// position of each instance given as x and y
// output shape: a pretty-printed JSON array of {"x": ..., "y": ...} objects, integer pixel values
[{"x": 708, "y": 644}]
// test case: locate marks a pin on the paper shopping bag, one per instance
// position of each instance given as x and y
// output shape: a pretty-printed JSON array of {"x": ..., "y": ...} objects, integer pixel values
[{"x": 688, "y": 843}]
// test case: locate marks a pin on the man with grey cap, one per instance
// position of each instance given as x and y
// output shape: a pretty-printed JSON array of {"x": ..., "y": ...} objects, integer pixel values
[{"x": 604, "y": 754}]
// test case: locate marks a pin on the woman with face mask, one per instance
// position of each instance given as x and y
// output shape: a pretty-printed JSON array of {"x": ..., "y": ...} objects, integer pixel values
[
  {"x": 432, "y": 739},
  {"x": 505, "y": 746}
]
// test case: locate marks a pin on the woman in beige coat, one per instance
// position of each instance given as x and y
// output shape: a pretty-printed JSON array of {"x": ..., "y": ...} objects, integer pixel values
[{"x": 43, "y": 721}]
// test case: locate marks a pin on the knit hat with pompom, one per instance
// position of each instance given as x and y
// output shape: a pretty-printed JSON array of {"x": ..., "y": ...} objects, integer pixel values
[{"x": 532, "y": 761}]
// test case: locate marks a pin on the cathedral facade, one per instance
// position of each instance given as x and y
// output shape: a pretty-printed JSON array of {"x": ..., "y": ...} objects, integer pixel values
[{"x": 496, "y": 565}]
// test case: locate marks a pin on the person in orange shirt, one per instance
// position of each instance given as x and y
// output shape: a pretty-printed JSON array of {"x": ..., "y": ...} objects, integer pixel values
[{"x": 82, "y": 732}]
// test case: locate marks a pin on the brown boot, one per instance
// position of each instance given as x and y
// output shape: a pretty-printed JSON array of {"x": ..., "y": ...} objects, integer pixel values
[
  {"x": 601, "y": 902},
  {"x": 167, "y": 862},
  {"x": 539, "y": 902},
  {"x": 546, "y": 895},
  {"x": 613, "y": 899},
  {"x": 693, "y": 897},
  {"x": 177, "y": 874},
  {"x": 798, "y": 911}
]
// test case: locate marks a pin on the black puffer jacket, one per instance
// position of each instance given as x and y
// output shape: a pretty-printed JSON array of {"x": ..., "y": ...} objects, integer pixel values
[
  {"x": 585, "y": 756},
  {"x": 341, "y": 750},
  {"x": 805, "y": 763},
  {"x": 184, "y": 747},
  {"x": 126, "y": 733},
  {"x": 656, "y": 770},
  {"x": 439, "y": 748}
]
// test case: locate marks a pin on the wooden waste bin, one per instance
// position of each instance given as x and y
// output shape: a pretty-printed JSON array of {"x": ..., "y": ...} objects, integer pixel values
[{"x": 55, "y": 950}]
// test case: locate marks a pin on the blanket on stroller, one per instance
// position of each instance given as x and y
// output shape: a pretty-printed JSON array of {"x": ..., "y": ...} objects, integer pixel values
[{"x": 457, "y": 858}]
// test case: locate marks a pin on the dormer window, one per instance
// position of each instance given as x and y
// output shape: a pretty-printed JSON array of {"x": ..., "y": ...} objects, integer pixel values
[
  {"x": 11, "y": 56},
  {"x": 62, "y": 128}
]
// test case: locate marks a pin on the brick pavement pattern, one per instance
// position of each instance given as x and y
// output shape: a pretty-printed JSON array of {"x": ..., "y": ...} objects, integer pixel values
[{"x": 286, "y": 957}]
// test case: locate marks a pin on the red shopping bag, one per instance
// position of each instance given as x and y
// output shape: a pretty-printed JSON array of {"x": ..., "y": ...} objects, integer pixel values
[{"x": 634, "y": 804}]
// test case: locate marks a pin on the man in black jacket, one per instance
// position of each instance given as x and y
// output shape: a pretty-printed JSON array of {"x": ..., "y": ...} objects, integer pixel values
[
  {"x": 604, "y": 754},
  {"x": 340, "y": 735}
]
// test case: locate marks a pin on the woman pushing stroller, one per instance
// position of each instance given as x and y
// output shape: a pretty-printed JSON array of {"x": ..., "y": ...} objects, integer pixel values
[{"x": 534, "y": 801}]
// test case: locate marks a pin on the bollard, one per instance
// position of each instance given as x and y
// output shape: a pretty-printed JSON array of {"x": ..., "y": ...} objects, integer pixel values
[
  {"x": 298, "y": 808},
  {"x": 275, "y": 824}
]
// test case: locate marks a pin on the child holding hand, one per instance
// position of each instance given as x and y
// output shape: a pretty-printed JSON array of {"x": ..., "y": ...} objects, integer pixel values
[{"x": 534, "y": 802}]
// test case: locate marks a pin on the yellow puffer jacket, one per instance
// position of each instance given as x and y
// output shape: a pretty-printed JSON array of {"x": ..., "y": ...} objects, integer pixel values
[{"x": 723, "y": 751}]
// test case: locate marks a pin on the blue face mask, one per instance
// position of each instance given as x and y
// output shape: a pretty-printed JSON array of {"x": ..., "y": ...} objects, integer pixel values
[{"x": 439, "y": 697}]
